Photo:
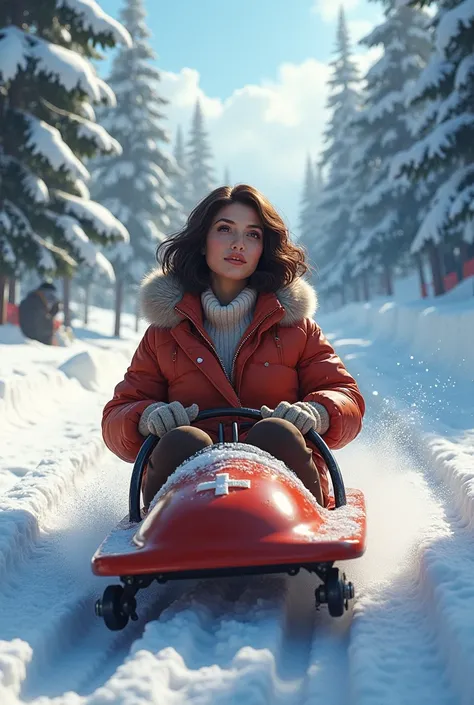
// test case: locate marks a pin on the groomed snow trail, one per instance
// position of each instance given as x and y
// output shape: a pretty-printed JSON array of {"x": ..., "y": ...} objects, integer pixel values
[{"x": 253, "y": 641}]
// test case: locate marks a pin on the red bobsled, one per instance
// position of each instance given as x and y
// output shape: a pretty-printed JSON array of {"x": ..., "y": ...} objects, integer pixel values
[{"x": 231, "y": 509}]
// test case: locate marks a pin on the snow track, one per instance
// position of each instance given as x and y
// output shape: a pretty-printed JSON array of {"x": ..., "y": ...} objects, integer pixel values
[{"x": 258, "y": 641}]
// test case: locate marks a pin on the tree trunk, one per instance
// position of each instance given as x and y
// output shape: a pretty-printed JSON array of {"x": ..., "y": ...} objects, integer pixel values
[
  {"x": 67, "y": 301},
  {"x": 467, "y": 259},
  {"x": 3, "y": 299},
  {"x": 421, "y": 273},
  {"x": 365, "y": 286},
  {"x": 137, "y": 318},
  {"x": 343, "y": 295},
  {"x": 437, "y": 272},
  {"x": 118, "y": 306},
  {"x": 356, "y": 290},
  {"x": 464, "y": 255},
  {"x": 12, "y": 290},
  {"x": 87, "y": 296},
  {"x": 387, "y": 279}
]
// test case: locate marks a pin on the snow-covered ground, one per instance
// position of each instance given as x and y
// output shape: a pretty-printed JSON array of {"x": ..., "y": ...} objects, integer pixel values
[{"x": 408, "y": 640}]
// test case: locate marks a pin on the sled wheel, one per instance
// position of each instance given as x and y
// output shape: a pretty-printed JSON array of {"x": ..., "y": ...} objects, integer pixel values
[
  {"x": 335, "y": 593},
  {"x": 110, "y": 608}
]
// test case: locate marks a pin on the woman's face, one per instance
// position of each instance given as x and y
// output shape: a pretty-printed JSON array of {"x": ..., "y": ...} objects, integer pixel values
[{"x": 234, "y": 243}]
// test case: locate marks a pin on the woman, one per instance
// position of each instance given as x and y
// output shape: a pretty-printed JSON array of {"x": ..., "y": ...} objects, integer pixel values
[{"x": 232, "y": 326}]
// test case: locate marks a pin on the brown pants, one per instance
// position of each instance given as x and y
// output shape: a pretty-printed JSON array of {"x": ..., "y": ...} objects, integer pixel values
[{"x": 276, "y": 436}]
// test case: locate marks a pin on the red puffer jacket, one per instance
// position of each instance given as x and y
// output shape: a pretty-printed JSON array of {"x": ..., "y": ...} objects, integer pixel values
[{"x": 283, "y": 356}]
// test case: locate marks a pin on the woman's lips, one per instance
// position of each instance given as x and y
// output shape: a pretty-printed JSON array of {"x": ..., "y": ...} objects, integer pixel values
[{"x": 237, "y": 262}]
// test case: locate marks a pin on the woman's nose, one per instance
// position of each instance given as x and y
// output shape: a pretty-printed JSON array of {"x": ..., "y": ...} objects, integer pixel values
[{"x": 238, "y": 242}]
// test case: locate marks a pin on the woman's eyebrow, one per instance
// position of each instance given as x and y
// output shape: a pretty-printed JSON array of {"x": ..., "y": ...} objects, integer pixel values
[{"x": 232, "y": 222}]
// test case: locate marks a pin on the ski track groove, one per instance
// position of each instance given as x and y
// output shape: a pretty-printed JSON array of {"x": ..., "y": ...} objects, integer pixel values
[
  {"x": 83, "y": 667},
  {"x": 196, "y": 631},
  {"x": 62, "y": 608}
]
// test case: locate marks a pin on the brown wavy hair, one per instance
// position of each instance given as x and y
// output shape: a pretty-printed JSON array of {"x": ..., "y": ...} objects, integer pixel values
[{"x": 280, "y": 263}]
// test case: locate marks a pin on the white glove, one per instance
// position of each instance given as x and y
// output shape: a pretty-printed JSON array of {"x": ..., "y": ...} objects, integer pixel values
[
  {"x": 159, "y": 418},
  {"x": 304, "y": 415}
]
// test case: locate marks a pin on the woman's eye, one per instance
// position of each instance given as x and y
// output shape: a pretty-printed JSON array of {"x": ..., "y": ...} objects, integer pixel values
[
  {"x": 255, "y": 234},
  {"x": 222, "y": 227}
]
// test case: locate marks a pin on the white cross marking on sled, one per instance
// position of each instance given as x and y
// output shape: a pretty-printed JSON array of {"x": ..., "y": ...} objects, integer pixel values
[{"x": 221, "y": 484}]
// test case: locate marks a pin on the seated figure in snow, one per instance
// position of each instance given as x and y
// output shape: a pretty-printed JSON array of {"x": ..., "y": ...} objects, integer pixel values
[
  {"x": 37, "y": 311},
  {"x": 232, "y": 325}
]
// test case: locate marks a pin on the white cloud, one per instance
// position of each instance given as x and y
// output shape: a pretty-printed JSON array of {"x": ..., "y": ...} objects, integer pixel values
[
  {"x": 262, "y": 133},
  {"x": 183, "y": 90},
  {"x": 329, "y": 9}
]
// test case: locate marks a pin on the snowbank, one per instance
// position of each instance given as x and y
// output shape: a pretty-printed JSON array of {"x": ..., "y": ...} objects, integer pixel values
[
  {"x": 440, "y": 330},
  {"x": 24, "y": 397},
  {"x": 85, "y": 368},
  {"x": 14, "y": 657},
  {"x": 35, "y": 377},
  {"x": 25, "y": 507}
]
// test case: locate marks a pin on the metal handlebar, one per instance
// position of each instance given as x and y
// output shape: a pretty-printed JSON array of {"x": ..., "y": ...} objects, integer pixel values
[{"x": 150, "y": 443}]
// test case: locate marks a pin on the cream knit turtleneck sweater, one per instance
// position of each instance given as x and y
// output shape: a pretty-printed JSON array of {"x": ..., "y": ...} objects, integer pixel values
[{"x": 227, "y": 324}]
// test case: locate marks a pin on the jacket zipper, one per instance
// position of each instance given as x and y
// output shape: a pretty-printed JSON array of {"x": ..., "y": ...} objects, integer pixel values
[
  {"x": 242, "y": 342},
  {"x": 249, "y": 335},
  {"x": 209, "y": 343}
]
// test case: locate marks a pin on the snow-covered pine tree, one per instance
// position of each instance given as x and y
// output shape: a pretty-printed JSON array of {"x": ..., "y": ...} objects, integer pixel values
[
  {"x": 388, "y": 214},
  {"x": 47, "y": 126},
  {"x": 199, "y": 156},
  {"x": 308, "y": 225},
  {"x": 334, "y": 235},
  {"x": 305, "y": 225},
  {"x": 135, "y": 185},
  {"x": 180, "y": 182},
  {"x": 444, "y": 151}
]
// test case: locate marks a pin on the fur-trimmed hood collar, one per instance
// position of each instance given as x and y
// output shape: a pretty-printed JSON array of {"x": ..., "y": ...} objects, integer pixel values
[{"x": 160, "y": 294}]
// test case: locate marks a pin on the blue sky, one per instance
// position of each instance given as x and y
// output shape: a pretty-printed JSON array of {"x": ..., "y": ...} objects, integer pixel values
[
  {"x": 260, "y": 69},
  {"x": 235, "y": 43}
]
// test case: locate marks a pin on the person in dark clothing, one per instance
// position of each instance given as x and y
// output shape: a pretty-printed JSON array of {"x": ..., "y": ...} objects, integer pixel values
[{"x": 37, "y": 312}]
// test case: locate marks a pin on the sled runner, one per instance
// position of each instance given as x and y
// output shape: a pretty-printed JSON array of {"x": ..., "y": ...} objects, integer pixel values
[{"x": 231, "y": 509}]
